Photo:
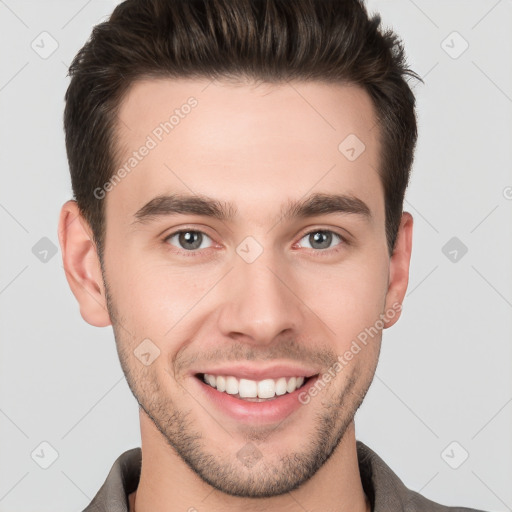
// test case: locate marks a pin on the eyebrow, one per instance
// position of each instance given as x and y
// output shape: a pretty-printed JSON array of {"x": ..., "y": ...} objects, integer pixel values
[{"x": 313, "y": 205}]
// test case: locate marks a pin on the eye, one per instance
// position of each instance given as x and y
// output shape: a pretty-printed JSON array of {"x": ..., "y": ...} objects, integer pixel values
[
  {"x": 189, "y": 240},
  {"x": 321, "y": 239}
]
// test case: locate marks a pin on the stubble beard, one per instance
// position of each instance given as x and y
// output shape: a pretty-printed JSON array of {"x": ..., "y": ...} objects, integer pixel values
[{"x": 230, "y": 474}]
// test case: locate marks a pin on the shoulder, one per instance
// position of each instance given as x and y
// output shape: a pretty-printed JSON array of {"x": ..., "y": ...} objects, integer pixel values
[
  {"x": 121, "y": 481},
  {"x": 387, "y": 492}
]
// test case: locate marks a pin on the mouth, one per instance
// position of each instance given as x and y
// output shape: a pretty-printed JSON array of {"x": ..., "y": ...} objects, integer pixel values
[
  {"x": 254, "y": 390},
  {"x": 255, "y": 395}
]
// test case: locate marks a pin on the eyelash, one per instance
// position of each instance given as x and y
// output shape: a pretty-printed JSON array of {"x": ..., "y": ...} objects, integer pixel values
[
  {"x": 319, "y": 252},
  {"x": 331, "y": 250}
]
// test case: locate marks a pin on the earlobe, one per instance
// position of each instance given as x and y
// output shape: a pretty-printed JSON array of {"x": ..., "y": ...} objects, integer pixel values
[
  {"x": 399, "y": 270},
  {"x": 82, "y": 266}
]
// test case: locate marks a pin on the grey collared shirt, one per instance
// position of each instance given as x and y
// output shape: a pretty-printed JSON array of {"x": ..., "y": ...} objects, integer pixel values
[{"x": 384, "y": 489}]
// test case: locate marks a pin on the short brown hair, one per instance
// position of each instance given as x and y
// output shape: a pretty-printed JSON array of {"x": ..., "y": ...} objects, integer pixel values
[{"x": 264, "y": 40}]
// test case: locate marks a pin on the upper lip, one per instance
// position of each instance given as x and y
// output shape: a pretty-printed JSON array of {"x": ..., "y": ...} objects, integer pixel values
[{"x": 252, "y": 372}]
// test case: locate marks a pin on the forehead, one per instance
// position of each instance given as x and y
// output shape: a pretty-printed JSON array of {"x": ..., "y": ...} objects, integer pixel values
[{"x": 256, "y": 145}]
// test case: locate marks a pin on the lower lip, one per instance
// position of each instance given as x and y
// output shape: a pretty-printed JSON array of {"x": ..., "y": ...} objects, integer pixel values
[{"x": 269, "y": 411}]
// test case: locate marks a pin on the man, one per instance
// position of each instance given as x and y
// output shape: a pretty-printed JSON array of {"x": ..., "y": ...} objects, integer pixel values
[{"x": 239, "y": 169}]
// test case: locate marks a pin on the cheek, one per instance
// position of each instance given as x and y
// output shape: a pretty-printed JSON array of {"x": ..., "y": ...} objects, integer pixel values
[
  {"x": 348, "y": 299},
  {"x": 153, "y": 296}
]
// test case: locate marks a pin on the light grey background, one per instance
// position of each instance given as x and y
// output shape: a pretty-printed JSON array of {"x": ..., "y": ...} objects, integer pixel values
[{"x": 445, "y": 369}]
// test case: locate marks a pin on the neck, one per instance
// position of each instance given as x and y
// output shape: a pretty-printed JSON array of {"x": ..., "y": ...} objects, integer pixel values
[{"x": 168, "y": 484}]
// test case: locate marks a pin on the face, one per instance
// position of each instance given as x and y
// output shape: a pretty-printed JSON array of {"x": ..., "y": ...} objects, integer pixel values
[{"x": 245, "y": 254}]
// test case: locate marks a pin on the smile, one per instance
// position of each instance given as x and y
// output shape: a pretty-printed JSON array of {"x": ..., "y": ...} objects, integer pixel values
[
  {"x": 251, "y": 394},
  {"x": 252, "y": 390}
]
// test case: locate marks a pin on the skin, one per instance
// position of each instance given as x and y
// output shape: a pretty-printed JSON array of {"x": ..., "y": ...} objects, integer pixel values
[{"x": 256, "y": 147}]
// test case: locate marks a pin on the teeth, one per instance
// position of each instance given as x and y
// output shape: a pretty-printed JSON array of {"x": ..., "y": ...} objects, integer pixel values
[
  {"x": 281, "y": 386},
  {"x": 291, "y": 385},
  {"x": 266, "y": 388},
  {"x": 221, "y": 383},
  {"x": 231, "y": 385},
  {"x": 245, "y": 388}
]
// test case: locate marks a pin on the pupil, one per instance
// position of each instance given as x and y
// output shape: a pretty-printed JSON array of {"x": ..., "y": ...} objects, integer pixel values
[
  {"x": 190, "y": 238},
  {"x": 322, "y": 238}
]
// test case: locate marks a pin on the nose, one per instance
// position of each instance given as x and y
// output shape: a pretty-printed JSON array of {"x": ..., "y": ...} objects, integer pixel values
[{"x": 259, "y": 302}]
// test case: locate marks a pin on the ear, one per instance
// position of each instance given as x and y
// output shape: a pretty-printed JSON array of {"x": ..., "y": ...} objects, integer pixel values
[
  {"x": 399, "y": 269},
  {"x": 82, "y": 265}
]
